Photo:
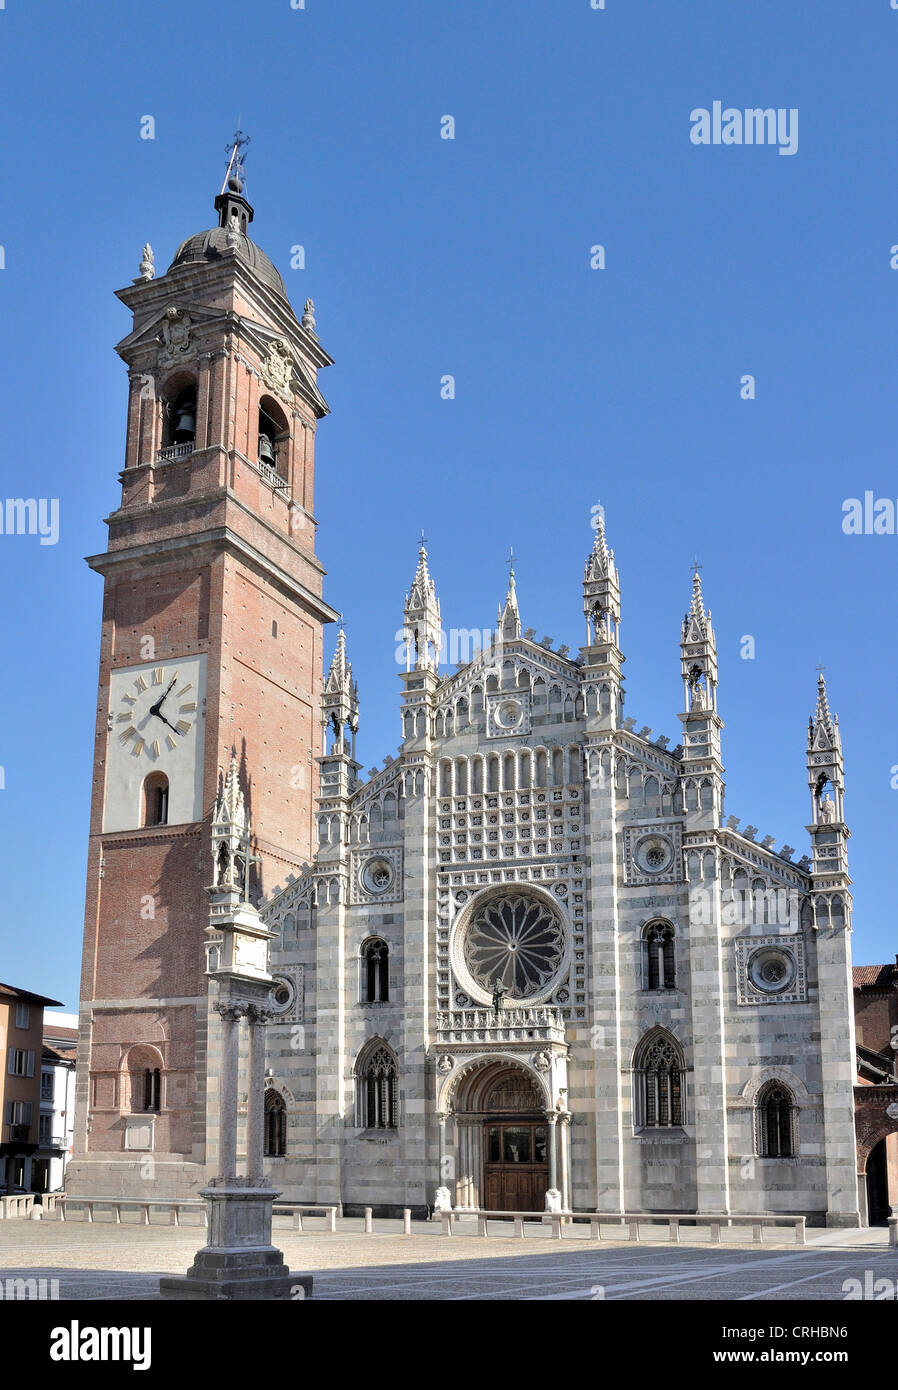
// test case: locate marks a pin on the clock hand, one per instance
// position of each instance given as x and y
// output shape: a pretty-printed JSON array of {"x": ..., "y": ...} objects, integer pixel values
[
  {"x": 165, "y": 721},
  {"x": 154, "y": 709}
]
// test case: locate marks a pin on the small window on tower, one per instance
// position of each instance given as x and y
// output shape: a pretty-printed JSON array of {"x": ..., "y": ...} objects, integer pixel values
[
  {"x": 155, "y": 799},
  {"x": 274, "y": 628}
]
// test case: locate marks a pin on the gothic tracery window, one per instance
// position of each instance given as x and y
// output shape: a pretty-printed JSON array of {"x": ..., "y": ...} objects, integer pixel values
[
  {"x": 775, "y": 1113},
  {"x": 659, "y": 961},
  {"x": 659, "y": 1075},
  {"x": 275, "y": 1125},
  {"x": 378, "y": 1088}
]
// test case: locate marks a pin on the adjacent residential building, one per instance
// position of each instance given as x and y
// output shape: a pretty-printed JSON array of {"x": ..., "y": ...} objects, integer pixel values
[
  {"x": 56, "y": 1122},
  {"x": 21, "y": 1047}
]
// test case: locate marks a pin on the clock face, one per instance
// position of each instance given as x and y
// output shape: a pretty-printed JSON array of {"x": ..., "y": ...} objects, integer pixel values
[
  {"x": 157, "y": 712},
  {"x": 156, "y": 723}
]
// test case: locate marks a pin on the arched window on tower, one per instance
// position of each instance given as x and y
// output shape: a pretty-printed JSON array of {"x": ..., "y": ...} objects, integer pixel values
[
  {"x": 273, "y": 437},
  {"x": 658, "y": 1072},
  {"x": 375, "y": 971},
  {"x": 155, "y": 800},
  {"x": 775, "y": 1121},
  {"x": 659, "y": 962},
  {"x": 377, "y": 1087},
  {"x": 275, "y": 1125},
  {"x": 143, "y": 1091},
  {"x": 179, "y": 418}
]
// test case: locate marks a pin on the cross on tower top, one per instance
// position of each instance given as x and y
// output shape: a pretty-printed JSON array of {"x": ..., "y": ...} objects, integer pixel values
[
  {"x": 510, "y": 562},
  {"x": 235, "y": 175}
]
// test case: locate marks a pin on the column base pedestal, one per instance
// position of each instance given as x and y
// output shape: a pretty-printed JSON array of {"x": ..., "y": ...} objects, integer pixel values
[
  {"x": 237, "y": 1275},
  {"x": 239, "y": 1262}
]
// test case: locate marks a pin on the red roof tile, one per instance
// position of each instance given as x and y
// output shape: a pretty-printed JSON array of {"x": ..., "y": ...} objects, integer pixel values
[{"x": 882, "y": 975}]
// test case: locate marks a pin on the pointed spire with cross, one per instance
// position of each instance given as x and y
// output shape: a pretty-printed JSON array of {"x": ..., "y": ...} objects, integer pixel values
[
  {"x": 509, "y": 620},
  {"x": 601, "y": 586},
  {"x": 422, "y": 624}
]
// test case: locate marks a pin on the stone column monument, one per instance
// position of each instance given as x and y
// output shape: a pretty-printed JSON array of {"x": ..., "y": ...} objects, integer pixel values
[{"x": 238, "y": 1261}]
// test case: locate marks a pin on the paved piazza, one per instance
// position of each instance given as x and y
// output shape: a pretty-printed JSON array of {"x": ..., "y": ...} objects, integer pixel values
[{"x": 106, "y": 1261}]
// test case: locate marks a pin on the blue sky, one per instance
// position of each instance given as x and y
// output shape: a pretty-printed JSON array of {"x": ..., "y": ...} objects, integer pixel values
[{"x": 470, "y": 257}]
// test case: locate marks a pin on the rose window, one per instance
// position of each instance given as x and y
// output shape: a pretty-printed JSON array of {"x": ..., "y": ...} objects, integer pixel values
[
  {"x": 377, "y": 875},
  {"x": 771, "y": 970},
  {"x": 516, "y": 940}
]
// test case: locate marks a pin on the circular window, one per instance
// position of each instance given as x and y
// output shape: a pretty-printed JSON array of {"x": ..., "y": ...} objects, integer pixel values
[
  {"x": 517, "y": 940},
  {"x": 281, "y": 995},
  {"x": 654, "y": 853},
  {"x": 509, "y": 714},
  {"x": 377, "y": 875},
  {"x": 771, "y": 970}
]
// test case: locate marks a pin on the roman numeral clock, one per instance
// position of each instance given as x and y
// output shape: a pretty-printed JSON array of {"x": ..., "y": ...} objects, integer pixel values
[{"x": 156, "y": 723}]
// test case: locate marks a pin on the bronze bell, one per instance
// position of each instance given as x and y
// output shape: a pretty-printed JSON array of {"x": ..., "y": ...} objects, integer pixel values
[
  {"x": 185, "y": 429},
  {"x": 266, "y": 450}
]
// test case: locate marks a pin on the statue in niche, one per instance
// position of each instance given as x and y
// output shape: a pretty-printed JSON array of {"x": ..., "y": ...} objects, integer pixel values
[
  {"x": 827, "y": 810},
  {"x": 697, "y": 689}
]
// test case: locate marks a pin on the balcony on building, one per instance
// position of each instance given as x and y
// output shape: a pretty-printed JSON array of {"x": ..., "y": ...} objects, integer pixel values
[{"x": 521, "y": 1023}]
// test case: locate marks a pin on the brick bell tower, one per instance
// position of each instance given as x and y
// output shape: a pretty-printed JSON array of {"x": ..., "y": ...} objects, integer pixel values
[{"x": 211, "y": 644}]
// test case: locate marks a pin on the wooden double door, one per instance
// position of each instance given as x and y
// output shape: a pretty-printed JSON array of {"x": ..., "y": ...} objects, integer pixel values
[{"x": 515, "y": 1164}]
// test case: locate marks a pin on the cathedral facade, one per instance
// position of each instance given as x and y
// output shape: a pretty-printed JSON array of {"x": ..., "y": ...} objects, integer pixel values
[
  {"x": 536, "y": 958},
  {"x": 528, "y": 960}
]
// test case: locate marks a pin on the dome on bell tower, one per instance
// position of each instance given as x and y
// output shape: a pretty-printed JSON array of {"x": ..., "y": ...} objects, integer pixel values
[{"x": 214, "y": 244}]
